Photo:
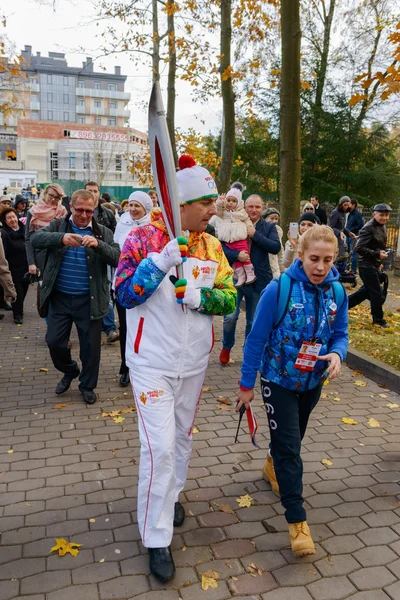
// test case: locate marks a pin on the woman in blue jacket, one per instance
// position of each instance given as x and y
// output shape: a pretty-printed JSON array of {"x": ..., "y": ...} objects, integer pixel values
[{"x": 296, "y": 349}]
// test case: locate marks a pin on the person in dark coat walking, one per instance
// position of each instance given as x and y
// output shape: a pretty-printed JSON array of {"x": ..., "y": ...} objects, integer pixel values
[
  {"x": 337, "y": 218},
  {"x": 371, "y": 250},
  {"x": 355, "y": 222},
  {"x": 319, "y": 210},
  {"x": 13, "y": 236}
]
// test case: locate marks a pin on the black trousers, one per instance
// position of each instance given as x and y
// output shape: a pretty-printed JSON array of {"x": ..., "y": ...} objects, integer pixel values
[
  {"x": 123, "y": 370},
  {"x": 371, "y": 290},
  {"x": 21, "y": 287},
  {"x": 288, "y": 413},
  {"x": 64, "y": 310}
]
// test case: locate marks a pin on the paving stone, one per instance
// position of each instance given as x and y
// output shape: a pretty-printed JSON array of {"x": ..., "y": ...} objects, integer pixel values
[
  {"x": 10, "y": 553},
  {"x": 300, "y": 593},
  {"x": 376, "y": 536},
  {"x": 116, "y": 552},
  {"x": 45, "y": 582},
  {"x": 372, "y": 595},
  {"x": 95, "y": 573},
  {"x": 184, "y": 576},
  {"x": 23, "y": 535},
  {"x": 247, "y": 584},
  {"x": 123, "y": 587},
  {"x": 192, "y": 556},
  {"x": 233, "y": 549},
  {"x": 22, "y": 568},
  {"x": 139, "y": 565},
  {"x": 76, "y": 592},
  {"x": 374, "y": 556},
  {"x": 272, "y": 541},
  {"x": 370, "y": 578},
  {"x": 347, "y": 525},
  {"x": 297, "y": 574},
  {"x": 159, "y": 595},
  {"x": 393, "y": 591},
  {"x": 217, "y": 519},
  {"x": 204, "y": 537},
  {"x": 381, "y": 518},
  {"x": 332, "y": 588},
  {"x": 225, "y": 568},
  {"x": 8, "y": 589},
  {"x": 244, "y": 530},
  {"x": 194, "y": 592}
]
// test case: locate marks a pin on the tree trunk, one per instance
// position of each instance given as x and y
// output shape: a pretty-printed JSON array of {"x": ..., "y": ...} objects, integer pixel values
[
  {"x": 171, "y": 83},
  {"x": 228, "y": 99},
  {"x": 156, "y": 43},
  {"x": 290, "y": 153},
  {"x": 321, "y": 77}
]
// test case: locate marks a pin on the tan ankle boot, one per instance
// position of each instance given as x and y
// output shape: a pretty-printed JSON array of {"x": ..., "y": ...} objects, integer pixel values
[
  {"x": 269, "y": 475},
  {"x": 300, "y": 539}
]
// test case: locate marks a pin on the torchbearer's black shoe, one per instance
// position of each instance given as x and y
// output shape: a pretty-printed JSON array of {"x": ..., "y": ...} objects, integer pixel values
[
  {"x": 382, "y": 323},
  {"x": 89, "y": 396},
  {"x": 65, "y": 383},
  {"x": 162, "y": 564},
  {"x": 124, "y": 380},
  {"x": 179, "y": 514}
]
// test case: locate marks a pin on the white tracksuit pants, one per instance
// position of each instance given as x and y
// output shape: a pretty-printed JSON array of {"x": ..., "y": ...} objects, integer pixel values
[{"x": 166, "y": 408}]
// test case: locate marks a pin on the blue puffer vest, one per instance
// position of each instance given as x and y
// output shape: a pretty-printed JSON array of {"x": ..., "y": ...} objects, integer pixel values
[{"x": 284, "y": 344}]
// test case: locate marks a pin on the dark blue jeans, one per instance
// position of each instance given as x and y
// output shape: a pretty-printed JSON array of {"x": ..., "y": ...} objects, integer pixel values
[
  {"x": 288, "y": 413},
  {"x": 251, "y": 297}
]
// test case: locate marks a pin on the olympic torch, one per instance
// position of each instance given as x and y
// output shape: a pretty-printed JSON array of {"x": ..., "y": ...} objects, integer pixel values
[{"x": 162, "y": 161}]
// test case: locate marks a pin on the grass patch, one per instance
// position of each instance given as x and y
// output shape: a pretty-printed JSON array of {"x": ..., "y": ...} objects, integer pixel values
[{"x": 383, "y": 344}]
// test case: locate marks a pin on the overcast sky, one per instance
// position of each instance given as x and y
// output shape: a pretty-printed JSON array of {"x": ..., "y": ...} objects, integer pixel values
[{"x": 71, "y": 26}]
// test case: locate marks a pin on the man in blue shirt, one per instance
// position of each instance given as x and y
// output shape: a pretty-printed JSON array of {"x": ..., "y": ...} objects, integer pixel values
[{"x": 75, "y": 286}]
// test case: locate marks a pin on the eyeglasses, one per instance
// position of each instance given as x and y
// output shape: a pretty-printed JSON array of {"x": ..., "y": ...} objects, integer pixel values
[
  {"x": 309, "y": 209},
  {"x": 81, "y": 211},
  {"x": 53, "y": 197}
]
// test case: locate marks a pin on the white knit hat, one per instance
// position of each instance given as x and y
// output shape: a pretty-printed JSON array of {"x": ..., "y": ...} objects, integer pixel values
[
  {"x": 143, "y": 199},
  {"x": 194, "y": 182},
  {"x": 235, "y": 193}
]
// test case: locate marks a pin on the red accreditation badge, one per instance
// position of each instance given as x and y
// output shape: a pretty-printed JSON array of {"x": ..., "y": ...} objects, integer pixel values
[{"x": 307, "y": 356}]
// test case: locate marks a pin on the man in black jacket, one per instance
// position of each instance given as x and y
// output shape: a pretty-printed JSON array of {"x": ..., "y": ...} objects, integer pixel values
[
  {"x": 371, "y": 250},
  {"x": 75, "y": 286},
  {"x": 105, "y": 217},
  {"x": 319, "y": 211},
  {"x": 263, "y": 240}
]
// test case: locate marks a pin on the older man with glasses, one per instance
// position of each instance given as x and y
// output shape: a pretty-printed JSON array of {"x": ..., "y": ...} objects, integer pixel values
[{"x": 75, "y": 289}]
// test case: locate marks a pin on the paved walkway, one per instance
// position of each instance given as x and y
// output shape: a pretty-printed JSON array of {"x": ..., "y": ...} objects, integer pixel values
[{"x": 69, "y": 472}]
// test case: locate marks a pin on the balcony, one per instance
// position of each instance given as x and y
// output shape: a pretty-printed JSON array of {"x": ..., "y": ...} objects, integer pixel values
[
  {"x": 117, "y": 112},
  {"x": 34, "y": 87},
  {"x": 35, "y": 105},
  {"x": 97, "y": 110},
  {"x": 80, "y": 110},
  {"x": 103, "y": 94},
  {"x": 12, "y": 165}
]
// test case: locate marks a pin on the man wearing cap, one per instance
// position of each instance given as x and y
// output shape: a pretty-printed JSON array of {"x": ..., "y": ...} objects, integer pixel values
[
  {"x": 371, "y": 250},
  {"x": 168, "y": 348}
]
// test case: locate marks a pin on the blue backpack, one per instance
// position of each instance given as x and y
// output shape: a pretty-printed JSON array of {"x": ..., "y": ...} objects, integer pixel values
[{"x": 285, "y": 289}]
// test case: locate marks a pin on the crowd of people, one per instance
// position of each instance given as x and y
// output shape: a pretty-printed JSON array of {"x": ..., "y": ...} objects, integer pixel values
[{"x": 89, "y": 255}]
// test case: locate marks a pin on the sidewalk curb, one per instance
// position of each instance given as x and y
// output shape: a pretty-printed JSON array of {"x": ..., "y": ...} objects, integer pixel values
[{"x": 375, "y": 369}]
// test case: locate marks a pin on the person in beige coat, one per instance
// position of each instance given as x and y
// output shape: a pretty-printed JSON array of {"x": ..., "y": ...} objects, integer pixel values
[
  {"x": 233, "y": 231},
  {"x": 6, "y": 281}
]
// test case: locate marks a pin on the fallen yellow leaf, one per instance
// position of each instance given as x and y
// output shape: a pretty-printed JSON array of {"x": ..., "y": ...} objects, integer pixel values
[
  {"x": 226, "y": 508},
  {"x": 102, "y": 560},
  {"x": 92, "y": 520},
  {"x": 392, "y": 404},
  {"x": 195, "y": 430},
  {"x": 205, "y": 389},
  {"x": 348, "y": 421},
  {"x": 336, "y": 399},
  {"x": 10, "y": 451},
  {"x": 373, "y": 423},
  {"x": 61, "y": 405},
  {"x": 244, "y": 501},
  {"x": 322, "y": 396},
  {"x": 224, "y": 400},
  {"x": 128, "y": 409},
  {"x": 119, "y": 419},
  {"x": 223, "y": 408},
  {"x": 63, "y": 547},
  {"x": 22, "y": 368},
  {"x": 326, "y": 382},
  {"x": 113, "y": 413},
  {"x": 208, "y": 580},
  {"x": 327, "y": 462},
  {"x": 43, "y": 370},
  {"x": 382, "y": 395},
  {"x": 360, "y": 383}
]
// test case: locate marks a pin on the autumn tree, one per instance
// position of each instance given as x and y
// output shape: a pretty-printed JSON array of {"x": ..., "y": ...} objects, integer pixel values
[
  {"x": 290, "y": 152},
  {"x": 11, "y": 74}
]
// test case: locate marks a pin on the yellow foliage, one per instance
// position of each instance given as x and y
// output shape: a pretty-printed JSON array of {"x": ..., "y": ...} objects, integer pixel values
[
  {"x": 348, "y": 421},
  {"x": 245, "y": 501},
  {"x": 63, "y": 547},
  {"x": 356, "y": 98},
  {"x": 305, "y": 85}
]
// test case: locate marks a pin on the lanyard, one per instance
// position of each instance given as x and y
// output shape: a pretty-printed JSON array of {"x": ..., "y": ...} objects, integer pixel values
[{"x": 312, "y": 335}]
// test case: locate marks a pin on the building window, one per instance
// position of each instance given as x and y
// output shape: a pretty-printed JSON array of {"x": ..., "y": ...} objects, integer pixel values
[
  {"x": 53, "y": 165},
  {"x": 34, "y": 116},
  {"x": 97, "y": 103},
  {"x": 81, "y": 102},
  {"x": 100, "y": 161},
  {"x": 66, "y": 99},
  {"x": 72, "y": 174},
  {"x": 112, "y": 87},
  {"x": 66, "y": 117},
  {"x": 118, "y": 162},
  {"x": 65, "y": 78},
  {"x": 98, "y": 120},
  {"x": 112, "y": 122},
  {"x": 113, "y": 104},
  {"x": 81, "y": 84},
  {"x": 97, "y": 85},
  {"x": 86, "y": 160},
  {"x": 72, "y": 160},
  {"x": 49, "y": 79},
  {"x": 49, "y": 97},
  {"x": 82, "y": 120},
  {"x": 49, "y": 115}
]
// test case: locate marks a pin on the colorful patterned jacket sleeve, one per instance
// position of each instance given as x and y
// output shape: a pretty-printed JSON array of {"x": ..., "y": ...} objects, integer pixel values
[
  {"x": 221, "y": 299},
  {"x": 137, "y": 276}
]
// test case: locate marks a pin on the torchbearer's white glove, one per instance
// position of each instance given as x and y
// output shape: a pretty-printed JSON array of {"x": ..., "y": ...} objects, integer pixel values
[
  {"x": 186, "y": 293},
  {"x": 173, "y": 254}
]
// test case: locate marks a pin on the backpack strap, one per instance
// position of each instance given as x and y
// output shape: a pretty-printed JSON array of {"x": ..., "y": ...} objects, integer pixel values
[
  {"x": 284, "y": 292},
  {"x": 339, "y": 293}
]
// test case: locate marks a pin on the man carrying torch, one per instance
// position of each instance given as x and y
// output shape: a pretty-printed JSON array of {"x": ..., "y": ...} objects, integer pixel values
[{"x": 168, "y": 346}]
